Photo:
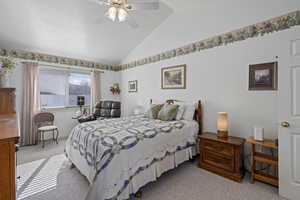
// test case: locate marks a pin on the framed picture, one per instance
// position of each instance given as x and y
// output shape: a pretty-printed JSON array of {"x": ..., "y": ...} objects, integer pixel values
[
  {"x": 132, "y": 86},
  {"x": 173, "y": 77},
  {"x": 263, "y": 76}
]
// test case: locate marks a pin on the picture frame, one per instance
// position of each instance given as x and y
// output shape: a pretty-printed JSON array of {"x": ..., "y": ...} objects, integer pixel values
[
  {"x": 132, "y": 86},
  {"x": 173, "y": 77},
  {"x": 263, "y": 76}
]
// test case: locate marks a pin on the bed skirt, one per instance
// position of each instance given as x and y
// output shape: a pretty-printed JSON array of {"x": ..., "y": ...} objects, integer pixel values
[{"x": 150, "y": 173}]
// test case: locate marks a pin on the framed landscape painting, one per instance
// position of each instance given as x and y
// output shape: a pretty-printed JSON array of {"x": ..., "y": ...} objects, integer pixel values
[
  {"x": 173, "y": 77},
  {"x": 263, "y": 76},
  {"x": 132, "y": 86}
]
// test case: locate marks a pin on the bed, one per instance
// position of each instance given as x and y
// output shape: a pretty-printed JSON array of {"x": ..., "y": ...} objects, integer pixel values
[{"x": 119, "y": 156}]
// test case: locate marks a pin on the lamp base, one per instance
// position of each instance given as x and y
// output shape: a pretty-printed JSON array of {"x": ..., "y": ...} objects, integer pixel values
[{"x": 223, "y": 134}]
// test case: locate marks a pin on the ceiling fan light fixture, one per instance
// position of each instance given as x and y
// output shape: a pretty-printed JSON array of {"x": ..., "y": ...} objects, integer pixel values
[
  {"x": 112, "y": 13},
  {"x": 122, "y": 14}
]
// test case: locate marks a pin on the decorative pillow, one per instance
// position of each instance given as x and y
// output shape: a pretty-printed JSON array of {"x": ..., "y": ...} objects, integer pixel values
[
  {"x": 189, "y": 112},
  {"x": 180, "y": 112},
  {"x": 168, "y": 112},
  {"x": 152, "y": 113}
]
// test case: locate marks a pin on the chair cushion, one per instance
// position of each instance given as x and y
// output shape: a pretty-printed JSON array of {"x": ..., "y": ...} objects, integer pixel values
[
  {"x": 97, "y": 112},
  {"x": 116, "y": 105},
  {"x": 105, "y": 113},
  {"x": 107, "y": 109},
  {"x": 47, "y": 128},
  {"x": 115, "y": 113},
  {"x": 98, "y": 105},
  {"x": 106, "y": 104}
]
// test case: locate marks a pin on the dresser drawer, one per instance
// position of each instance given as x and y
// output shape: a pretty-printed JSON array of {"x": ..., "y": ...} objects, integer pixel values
[
  {"x": 222, "y": 156},
  {"x": 218, "y": 147},
  {"x": 218, "y": 160}
]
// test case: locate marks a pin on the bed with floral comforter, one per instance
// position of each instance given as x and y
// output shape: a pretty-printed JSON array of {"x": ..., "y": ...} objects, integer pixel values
[{"x": 119, "y": 156}]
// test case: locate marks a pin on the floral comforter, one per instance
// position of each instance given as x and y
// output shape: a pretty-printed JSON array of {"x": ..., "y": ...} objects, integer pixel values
[{"x": 111, "y": 152}]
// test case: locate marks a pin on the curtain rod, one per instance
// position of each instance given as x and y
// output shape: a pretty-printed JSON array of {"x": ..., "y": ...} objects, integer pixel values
[{"x": 71, "y": 67}]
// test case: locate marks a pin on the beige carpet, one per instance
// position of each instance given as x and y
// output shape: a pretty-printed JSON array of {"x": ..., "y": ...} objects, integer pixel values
[
  {"x": 50, "y": 178},
  {"x": 37, "y": 152}
]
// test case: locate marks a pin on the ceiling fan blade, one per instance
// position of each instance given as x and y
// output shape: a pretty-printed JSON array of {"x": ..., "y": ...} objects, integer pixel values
[
  {"x": 131, "y": 22},
  {"x": 144, "y": 4}
]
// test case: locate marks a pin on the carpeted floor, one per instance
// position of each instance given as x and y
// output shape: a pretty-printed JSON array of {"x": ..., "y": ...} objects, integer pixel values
[
  {"x": 32, "y": 153},
  {"x": 50, "y": 178}
]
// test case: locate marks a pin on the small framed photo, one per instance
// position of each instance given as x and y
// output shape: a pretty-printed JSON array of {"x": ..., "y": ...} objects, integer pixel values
[
  {"x": 263, "y": 76},
  {"x": 173, "y": 77},
  {"x": 132, "y": 86}
]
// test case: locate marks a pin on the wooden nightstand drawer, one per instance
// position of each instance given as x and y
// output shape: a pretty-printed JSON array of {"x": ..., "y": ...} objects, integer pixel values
[
  {"x": 218, "y": 160},
  {"x": 222, "y": 156},
  {"x": 218, "y": 147}
]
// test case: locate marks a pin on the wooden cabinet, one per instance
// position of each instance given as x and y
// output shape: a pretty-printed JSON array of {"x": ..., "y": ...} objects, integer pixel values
[
  {"x": 9, "y": 136},
  {"x": 7, "y": 101},
  {"x": 222, "y": 156}
]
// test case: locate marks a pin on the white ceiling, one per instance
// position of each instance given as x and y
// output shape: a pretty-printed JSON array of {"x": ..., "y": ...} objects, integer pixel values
[{"x": 73, "y": 28}]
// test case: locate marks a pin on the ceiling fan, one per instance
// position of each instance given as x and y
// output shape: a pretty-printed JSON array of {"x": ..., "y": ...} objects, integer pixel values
[{"x": 118, "y": 10}]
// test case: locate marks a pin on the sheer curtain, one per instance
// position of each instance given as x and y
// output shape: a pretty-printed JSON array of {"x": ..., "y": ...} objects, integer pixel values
[
  {"x": 95, "y": 88},
  {"x": 30, "y": 103}
]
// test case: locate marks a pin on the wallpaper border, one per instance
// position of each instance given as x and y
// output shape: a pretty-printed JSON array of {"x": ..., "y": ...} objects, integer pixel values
[
  {"x": 269, "y": 26},
  {"x": 27, "y": 55}
]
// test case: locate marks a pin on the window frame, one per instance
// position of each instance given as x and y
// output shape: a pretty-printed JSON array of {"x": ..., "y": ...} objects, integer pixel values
[{"x": 66, "y": 74}]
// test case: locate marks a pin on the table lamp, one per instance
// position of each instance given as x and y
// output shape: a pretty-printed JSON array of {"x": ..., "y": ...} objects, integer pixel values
[{"x": 222, "y": 125}]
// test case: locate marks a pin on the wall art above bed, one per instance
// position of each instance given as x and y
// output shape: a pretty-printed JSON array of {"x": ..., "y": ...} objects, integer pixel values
[{"x": 173, "y": 77}]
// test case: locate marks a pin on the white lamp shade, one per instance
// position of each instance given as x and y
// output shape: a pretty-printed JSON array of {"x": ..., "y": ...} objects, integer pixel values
[{"x": 222, "y": 121}]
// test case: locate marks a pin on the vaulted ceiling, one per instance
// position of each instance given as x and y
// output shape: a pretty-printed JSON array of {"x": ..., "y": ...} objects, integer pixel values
[{"x": 73, "y": 28}]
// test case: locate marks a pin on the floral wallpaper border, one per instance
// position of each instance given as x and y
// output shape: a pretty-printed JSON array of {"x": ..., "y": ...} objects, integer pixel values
[
  {"x": 27, "y": 55},
  {"x": 269, "y": 26}
]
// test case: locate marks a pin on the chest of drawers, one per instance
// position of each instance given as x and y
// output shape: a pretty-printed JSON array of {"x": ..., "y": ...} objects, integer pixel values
[
  {"x": 7, "y": 101},
  {"x": 9, "y": 136},
  {"x": 222, "y": 156}
]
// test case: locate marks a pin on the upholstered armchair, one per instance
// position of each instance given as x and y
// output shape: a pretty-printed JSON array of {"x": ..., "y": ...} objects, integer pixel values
[{"x": 104, "y": 110}]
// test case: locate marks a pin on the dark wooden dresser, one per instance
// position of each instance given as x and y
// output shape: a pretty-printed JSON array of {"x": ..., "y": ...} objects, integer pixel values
[
  {"x": 7, "y": 101},
  {"x": 222, "y": 156},
  {"x": 9, "y": 137}
]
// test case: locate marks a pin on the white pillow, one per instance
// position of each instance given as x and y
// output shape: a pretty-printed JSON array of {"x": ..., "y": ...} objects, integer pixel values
[
  {"x": 189, "y": 112},
  {"x": 180, "y": 112}
]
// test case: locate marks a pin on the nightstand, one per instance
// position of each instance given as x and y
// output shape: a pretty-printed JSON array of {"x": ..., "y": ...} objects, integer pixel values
[
  {"x": 222, "y": 156},
  {"x": 263, "y": 158}
]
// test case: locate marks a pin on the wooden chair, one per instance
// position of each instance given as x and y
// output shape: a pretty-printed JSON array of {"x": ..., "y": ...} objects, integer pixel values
[{"x": 44, "y": 122}]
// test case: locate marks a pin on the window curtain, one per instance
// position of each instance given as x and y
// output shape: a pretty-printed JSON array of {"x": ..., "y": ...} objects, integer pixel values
[
  {"x": 30, "y": 103},
  {"x": 95, "y": 88}
]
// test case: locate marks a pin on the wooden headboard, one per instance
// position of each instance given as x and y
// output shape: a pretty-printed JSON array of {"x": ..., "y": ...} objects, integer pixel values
[{"x": 198, "y": 112}]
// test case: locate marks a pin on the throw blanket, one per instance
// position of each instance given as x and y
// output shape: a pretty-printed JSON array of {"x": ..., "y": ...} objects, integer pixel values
[{"x": 93, "y": 147}]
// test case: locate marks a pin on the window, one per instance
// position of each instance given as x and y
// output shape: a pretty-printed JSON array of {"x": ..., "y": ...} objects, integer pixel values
[
  {"x": 60, "y": 88},
  {"x": 79, "y": 85}
]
